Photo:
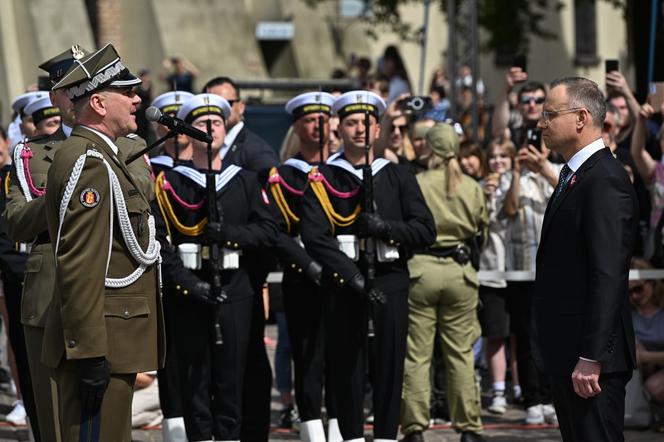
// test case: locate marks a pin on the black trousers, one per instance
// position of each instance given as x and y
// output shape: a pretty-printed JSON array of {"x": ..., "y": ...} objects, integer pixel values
[
  {"x": 13, "y": 293},
  {"x": 347, "y": 313},
  {"x": 535, "y": 385},
  {"x": 303, "y": 305},
  {"x": 257, "y": 388},
  {"x": 169, "y": 378},
  {"x": 212, "y": 376},
  {"x": 599, "y": 418}
]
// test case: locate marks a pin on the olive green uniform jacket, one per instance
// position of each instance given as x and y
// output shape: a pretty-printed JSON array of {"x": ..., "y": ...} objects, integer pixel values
[{"x": 86, "y": 318}]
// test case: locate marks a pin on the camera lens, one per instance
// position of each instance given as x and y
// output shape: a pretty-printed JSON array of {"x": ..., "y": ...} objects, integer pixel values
[{"x": 417, "y": 104}]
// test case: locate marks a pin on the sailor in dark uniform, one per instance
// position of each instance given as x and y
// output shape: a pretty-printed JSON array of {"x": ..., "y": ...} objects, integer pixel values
[
  {"x": 303, "y": 296},
  {"x": 333, "y": 220},
  {"x": 211, "y": 375},
  {"x": 174, "y": 148}
]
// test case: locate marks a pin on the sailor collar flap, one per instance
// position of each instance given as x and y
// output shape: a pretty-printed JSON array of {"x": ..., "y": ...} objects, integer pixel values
[
  {"x": 339, "y": 161},
  {"x": 197, "y": 177},
  {"x": 298, "y": 164}
]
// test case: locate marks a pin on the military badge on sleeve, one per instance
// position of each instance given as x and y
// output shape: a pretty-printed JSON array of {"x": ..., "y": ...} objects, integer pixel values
[{"x": 89, "y": 197}]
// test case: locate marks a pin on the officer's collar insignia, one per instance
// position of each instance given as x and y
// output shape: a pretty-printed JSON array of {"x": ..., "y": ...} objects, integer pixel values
[
  {"x": 77, "y": 53},
  {"x": 89, "y": 197}
]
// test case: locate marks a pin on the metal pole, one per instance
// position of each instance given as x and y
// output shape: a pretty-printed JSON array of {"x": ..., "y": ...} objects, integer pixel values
[
  {"x": 451, "y": 55},
  {"x": 423, "y": 45},
  {"x": 474, "y": 65}
]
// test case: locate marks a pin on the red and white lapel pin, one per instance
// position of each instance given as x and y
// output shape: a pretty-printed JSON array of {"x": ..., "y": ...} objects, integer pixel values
[{"x": 572, "y": 181}]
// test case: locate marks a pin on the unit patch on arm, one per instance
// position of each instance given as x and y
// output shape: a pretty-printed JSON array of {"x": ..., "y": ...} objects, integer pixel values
[{"x": 89, "y": 197}]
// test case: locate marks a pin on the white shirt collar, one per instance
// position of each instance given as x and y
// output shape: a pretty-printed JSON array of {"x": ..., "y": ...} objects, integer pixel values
[
  {"x": 66, "y": 129},
  {"x": 581, "y": 156},
  {"x": 230, "y": 138},
  {"x": 105, "y": 138}
]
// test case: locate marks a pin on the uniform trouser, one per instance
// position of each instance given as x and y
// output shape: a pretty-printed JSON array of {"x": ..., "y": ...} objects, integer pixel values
[
  {"x": 43, "y": 384},
  {"x": 303, "y": 305},
  {"x": 13, "y": 293},
  {"x": 442, "y": 293},
  {"x": 169, "y": 378},
  {"x": 257, "y": 388},
  {"x": 347, "y": 314},
  {"x": 211, "y": 376},
  {"x": 113, "y": 424}
]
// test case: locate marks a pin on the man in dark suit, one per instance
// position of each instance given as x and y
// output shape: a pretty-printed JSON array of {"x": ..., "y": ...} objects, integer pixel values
[
  {"x": 583, "y": 334},
  {"x": 242, "y": 147}
]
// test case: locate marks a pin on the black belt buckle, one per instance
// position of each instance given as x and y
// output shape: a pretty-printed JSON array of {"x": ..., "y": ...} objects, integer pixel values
[{"x": 462, "y": 254}]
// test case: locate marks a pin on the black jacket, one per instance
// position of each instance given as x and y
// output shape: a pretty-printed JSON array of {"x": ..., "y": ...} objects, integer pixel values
[
  {"x": 581, "y": 306},
  {"x": 251, "y": 152}
]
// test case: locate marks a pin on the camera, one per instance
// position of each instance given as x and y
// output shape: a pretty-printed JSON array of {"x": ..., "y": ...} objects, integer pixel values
[{"x": 416, "y": 104}]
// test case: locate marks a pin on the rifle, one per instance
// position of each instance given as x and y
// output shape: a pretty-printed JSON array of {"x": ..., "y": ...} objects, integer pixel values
[
  {"x": 368, "y": 208},
  {"x": 214, "y": 216},
  {"x": 321, "y": 140}
]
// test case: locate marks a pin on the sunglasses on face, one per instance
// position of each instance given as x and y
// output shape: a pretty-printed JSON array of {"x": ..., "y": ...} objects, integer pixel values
[
  {"x": 527, "y": 99},
  {"x": 402, "y": 128}
]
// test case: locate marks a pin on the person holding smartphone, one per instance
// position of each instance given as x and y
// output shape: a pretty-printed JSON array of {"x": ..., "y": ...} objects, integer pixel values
[{"x": 530, "y": 99}]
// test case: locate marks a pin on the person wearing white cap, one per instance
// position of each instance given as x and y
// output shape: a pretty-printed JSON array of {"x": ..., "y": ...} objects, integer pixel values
[
  {"x": 303, "y": 295},
  {"x": 330, "y": 226},
  {"x": 25, "y": 125},
  {"x": 211, "y": 375},
  {"x": 45, "y": 116},
  {"x": 177, "y": 148},
  {"x": 173, "y": 149}
]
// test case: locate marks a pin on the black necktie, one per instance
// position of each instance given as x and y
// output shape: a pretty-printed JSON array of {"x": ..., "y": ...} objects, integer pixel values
[{"x": 565, "y": 172}]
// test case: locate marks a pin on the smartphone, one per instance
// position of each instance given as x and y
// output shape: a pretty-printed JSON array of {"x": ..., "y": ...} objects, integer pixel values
[
  {"x": 656, "y": 96},
  {"x": 520, "y": 61},
  {"x": 534, "y": 137},
  {"x": 610, "y": 65}
]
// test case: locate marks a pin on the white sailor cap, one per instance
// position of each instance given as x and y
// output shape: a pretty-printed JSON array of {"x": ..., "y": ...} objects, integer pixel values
[
  {"x": 310, "y": 103},
  {"x": 170, "y": 102},
  {"x": 359, "y": 101},
  {"x": 204, "y": 104},
  {"x": 18, "y": 105},
  {"x": 40, "y": 109}
]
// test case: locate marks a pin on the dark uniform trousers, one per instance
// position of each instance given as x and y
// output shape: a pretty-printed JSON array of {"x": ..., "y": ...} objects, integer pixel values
[
  {"x": 114, "y": 422},
  {"x": 212, "y": 375},
  {"x": 170, "y": 398},
  {"x": 348, "y": 314},
  {"x": 303, "y": 305}
]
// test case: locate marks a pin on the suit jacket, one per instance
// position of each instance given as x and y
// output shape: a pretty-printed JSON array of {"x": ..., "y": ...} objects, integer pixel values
[
  {"x": 86, "y": 318},
  {"x": 251, "y": 152},
  {"x": 581, "y": 307}
]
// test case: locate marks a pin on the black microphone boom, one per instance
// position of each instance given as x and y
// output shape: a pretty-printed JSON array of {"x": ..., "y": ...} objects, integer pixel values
[{"x": 176, "y": 125}]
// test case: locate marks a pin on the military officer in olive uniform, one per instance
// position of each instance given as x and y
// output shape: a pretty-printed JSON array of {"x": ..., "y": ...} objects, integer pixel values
[
  {"x": 332, "y": 223},
  {"x": 105, "y": 323},
  {"x": 26, "y": 222},
  {"x": 25, "y": 218},
  {"x": 444, "y": 293}
]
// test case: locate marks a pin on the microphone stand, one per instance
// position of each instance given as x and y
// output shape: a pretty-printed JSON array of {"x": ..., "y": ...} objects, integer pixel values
[{"x": 139, "y": 154}]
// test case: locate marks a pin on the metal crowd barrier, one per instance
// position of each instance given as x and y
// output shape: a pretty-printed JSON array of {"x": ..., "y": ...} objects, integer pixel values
[{"x": 520, "y": 275}]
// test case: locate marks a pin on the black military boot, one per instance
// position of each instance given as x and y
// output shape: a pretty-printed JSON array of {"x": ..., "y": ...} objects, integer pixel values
[
  {"x": 469, "y": 436},
  {"x": 413, "y": 437}
]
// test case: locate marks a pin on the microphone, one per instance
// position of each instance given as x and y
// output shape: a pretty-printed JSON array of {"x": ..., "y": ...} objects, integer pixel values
[{"x": 176, "y": 125}]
